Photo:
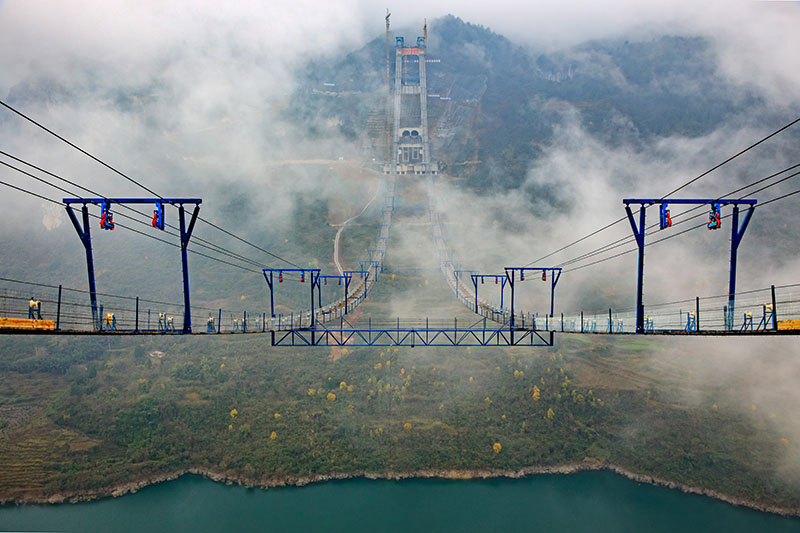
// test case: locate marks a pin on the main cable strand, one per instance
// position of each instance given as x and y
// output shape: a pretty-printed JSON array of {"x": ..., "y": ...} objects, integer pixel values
[
  {"x": 215, "y": 248},
  {"x": 120, "y": 173},
  {"x": 628, "y": 239},
  {"x": 702, "y": 175},
  {"x": 134, "y": 230},
  {"x": 783, "y": 196},
  {"x": 199, "y": 241},
  {"x": 709, "y": 171}
]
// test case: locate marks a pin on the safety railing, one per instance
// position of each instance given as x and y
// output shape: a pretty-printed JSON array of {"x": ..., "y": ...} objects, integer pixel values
[
  {"x": 755, "y": 310},
  {"x": 774, "y": 308}
]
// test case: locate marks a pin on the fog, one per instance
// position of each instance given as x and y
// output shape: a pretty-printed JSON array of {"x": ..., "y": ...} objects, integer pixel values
[
  {"x": 190, "y": 98},
  {"x": 591, "y": 178}
]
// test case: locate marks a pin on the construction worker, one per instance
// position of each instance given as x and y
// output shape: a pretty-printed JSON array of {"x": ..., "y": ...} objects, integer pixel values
[
  {"x": 111, "y": 322},
  {"x": 34, "y": 309}
]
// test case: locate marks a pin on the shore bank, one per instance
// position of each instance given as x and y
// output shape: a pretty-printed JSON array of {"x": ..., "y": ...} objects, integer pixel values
[{"x": 232, "y": 477}]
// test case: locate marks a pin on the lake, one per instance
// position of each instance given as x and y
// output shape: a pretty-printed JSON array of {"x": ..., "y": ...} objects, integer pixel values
[{"x": 585, "y": 501}]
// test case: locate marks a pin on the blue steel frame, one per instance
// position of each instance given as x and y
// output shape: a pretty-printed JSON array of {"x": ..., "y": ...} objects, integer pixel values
[
  {"x": 364, "y": 275},
  {"x": 186, "y": 234},
  {"x": 269, "y": 279},
  {"x": 347, "y": 334},
  {"x": 346, "y": 277},
  {"x": 737, "y": 232},
  {"x": 376, "y": 265},
  {"x": 314, "y": 281},
  {"x": 555, "y": 275},
  {"x": 458, "y": 272},
  {"x": 502, "y": 278},
  {"x": 377, "y": 252}
]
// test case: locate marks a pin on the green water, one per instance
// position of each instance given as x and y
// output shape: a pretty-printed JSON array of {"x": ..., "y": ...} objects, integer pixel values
[{"x": 587, "y": 501}]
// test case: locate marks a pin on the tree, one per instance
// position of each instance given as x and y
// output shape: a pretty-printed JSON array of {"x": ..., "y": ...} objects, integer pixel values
[
  {"x": 139, "y": 354},
  {"x": 550, "y": 414},
  {"x": 497, "y": 447},
  {"x": 536, "y": 393}
]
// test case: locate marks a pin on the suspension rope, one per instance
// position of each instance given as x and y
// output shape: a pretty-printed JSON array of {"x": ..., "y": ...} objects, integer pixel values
[
  {"x": 51, "y": 132},
  {"x": 629, "y": 239},
  {"x": 200, "y": 242},
  {"x": 676, "y": 234},
  {"x": 702, "y": 175},
  {"x": 132, "y": 229}
]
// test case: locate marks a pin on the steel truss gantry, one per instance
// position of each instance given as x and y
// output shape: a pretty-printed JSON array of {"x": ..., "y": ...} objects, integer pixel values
[
  {"x": 499, "y": 279},
  {"x": 737, "y": 232},
  {"x": 314, "y": 282},
  {"x": 476, "y": 334},
  {"x": 555, "y": 275},
  {"x": 158, "y": 222}
]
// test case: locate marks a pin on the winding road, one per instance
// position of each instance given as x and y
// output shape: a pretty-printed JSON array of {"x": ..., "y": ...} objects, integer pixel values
[{"x": 341, "y": 229}]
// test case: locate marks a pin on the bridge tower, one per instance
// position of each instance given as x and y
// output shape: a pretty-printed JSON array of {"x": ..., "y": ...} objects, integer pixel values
[{"x": 410, "y": 153}]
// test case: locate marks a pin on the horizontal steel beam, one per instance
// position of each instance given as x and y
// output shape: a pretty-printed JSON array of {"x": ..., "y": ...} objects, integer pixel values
[
  {"x": 721, "y": 201},
  {"x": 196, "y": 201},
  {"x": 411, "y": 337},
  {"x": 403, "y": 334}
]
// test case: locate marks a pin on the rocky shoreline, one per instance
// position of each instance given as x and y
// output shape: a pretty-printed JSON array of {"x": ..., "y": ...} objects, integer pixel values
[{"x": 232, "y": 477}]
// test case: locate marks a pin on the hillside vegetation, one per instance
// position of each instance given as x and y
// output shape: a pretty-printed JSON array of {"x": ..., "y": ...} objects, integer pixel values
[{"x": 80, "y": 416}]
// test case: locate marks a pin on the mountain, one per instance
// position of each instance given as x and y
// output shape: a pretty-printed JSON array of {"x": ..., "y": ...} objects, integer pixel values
[{"x": 506, "y": 99}]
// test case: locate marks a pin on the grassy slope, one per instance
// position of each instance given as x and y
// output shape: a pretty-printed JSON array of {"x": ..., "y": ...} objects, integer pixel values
[{"x": 123, "y": 414}]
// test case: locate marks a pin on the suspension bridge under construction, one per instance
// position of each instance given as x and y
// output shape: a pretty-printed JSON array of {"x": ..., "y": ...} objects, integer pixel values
[{"x": 491, "y": 298}]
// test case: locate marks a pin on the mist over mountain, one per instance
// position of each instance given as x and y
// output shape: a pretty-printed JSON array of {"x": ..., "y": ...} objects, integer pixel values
[
  {"x": 550, "y": 139},
  {"x": 546, "y": 143},
  {"x": 275, "y": 115},
  {"x": 505, "y": 99}
]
